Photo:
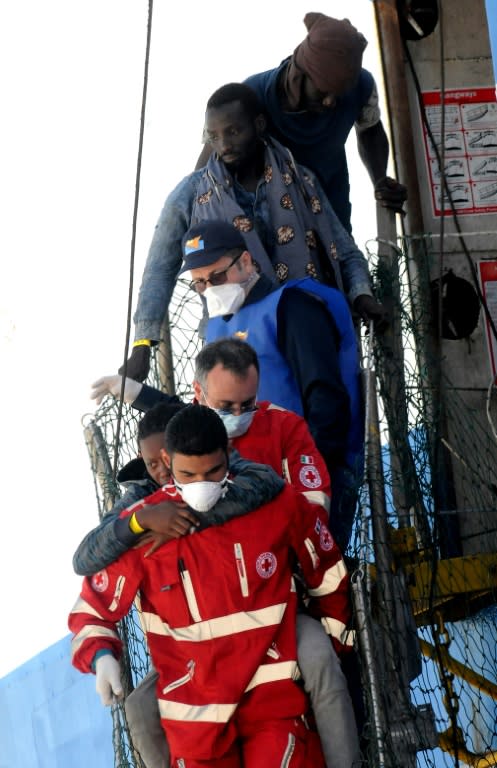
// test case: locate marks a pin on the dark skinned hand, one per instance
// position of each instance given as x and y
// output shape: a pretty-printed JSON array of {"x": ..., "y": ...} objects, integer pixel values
[
  {"x": 390, "y": 194},
  {"x": 164, "y": 521},
  {"x": 138, "y": 364},
  {"x": 369, "y": 309}
]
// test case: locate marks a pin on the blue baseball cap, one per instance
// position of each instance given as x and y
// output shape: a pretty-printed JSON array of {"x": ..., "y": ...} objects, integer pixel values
[{"x": 206, "y": 242}]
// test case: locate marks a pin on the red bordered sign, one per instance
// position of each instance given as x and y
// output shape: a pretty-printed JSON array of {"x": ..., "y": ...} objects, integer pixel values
[
  {"x": 488, "y": 281},
  {"x": 469, "y": 149}
]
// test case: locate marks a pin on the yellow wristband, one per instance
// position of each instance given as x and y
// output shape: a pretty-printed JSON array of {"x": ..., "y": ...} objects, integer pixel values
[
  {"x": 135, "y": 525},
  {"x": 142, "y": 343}
]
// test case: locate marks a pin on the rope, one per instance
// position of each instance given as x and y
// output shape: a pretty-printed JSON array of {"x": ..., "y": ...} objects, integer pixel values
[{"x": 133, "y": 234}]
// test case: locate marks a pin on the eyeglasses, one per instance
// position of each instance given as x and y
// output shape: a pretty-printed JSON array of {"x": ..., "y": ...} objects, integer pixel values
[
  {"x": 215, "y": 278},
  {"x": 243, "y": 408},
  {"x": 248, "y": 406}
]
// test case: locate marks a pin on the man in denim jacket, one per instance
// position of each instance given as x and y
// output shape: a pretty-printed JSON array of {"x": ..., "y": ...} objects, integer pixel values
[{"x": 252, "y": 182}]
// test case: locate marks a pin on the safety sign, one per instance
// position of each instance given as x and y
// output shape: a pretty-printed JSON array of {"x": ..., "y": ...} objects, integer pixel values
[{"x": 468, "y": 119}]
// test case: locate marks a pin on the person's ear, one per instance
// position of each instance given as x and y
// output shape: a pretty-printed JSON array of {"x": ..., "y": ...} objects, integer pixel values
[
  {"x": 246, "y": 261},
  {"x": 260, "y": 125},
  {"x": 197, "y": 391},
  {"x": 165, "y": 457}
]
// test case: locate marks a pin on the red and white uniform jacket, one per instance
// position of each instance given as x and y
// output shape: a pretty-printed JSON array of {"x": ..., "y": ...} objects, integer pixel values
[
  {"x": 219, "y": 610},
  {"x": 282, "y": 439}
]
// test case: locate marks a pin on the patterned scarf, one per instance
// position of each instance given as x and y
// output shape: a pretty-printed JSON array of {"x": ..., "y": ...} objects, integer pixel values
[{"x": 303, "y": 237}]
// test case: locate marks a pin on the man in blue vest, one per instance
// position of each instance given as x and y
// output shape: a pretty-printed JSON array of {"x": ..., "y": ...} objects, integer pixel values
[{"x": 305, "y": 341}]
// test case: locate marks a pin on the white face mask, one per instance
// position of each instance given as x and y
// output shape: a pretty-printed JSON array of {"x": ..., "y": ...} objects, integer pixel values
[
  {"x": 204, "y": 494},
  {"x": 224, "y": 299}
]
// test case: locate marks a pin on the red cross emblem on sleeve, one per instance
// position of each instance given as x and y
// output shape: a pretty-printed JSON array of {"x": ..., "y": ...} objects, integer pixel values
[
  {"x": 100, "y": 581},
  {"x": 309, "y": 476}
]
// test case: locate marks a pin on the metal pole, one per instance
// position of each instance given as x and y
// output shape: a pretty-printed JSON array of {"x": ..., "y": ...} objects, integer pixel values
[
  {"x": 101, "y": 465},
  {"x": 406, "y": 492},
  {"x": 365, "y": 638},
  {"x": 400, "y": 737},
  {"x": 427, "y": 347},
  {"x": 165, "y": 358},
  {"x": 399, "y": 115}
]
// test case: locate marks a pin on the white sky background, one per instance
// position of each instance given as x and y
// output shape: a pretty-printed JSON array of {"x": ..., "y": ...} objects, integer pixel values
[{"x": 71, "y": 99}]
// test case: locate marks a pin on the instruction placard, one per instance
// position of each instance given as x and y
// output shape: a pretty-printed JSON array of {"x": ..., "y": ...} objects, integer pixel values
[
  {"x": 488, "y": 282},
  {"x": 469, "y": 149}
]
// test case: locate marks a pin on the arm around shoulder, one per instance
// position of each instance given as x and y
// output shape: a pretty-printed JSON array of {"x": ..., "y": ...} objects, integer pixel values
[{"x": 101, "y": 546}]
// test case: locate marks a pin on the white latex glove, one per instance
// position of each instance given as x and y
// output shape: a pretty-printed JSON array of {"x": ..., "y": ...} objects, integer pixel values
[
  {"x": 108, "y": 683},
  {"x": 111, "y": 385}
]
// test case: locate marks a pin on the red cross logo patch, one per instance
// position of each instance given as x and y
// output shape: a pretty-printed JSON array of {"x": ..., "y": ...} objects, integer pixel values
[
  {"x": 266, "y": 565},
  {"x": 309, "y": 476},
  {"x": 100, "y": 581},
  {"x": 325, "y": 538}
]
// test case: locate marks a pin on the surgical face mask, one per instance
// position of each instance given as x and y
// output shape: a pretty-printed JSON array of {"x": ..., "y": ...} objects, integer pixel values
[
  {"x": 203, "y": 495},
  {"x": 236, "y": 425},
  {"x": 224, "y": 299}
]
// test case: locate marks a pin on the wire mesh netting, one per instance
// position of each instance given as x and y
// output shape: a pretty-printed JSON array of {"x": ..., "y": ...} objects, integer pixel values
[{"x": 423, "y": 554}]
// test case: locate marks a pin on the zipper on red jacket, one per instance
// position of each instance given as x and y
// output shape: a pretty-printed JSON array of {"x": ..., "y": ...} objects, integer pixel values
[
  {"x": 189, "y": 591},
  {"x": 117, "y": 593},
  {"x": 290, "y": 749},
  {"x": 241, "y": 570},
  {"x": 181, "y": 680}
]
